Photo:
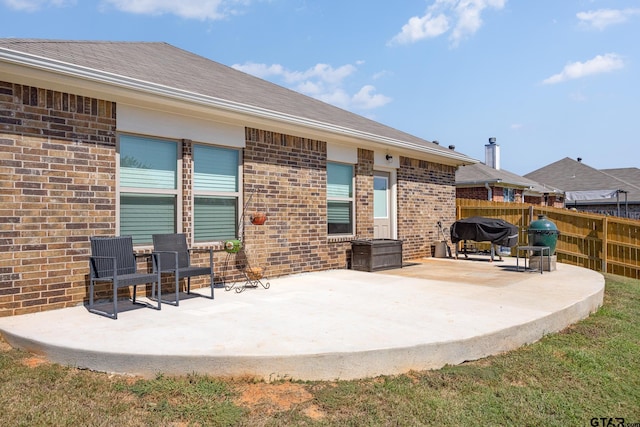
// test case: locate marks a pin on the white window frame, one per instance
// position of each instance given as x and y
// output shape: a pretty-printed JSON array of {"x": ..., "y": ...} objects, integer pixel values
[
  {"x": 208, "y": 193},
  {"x": 343, "y": 199},
  {"x": 175, "y": 192}
]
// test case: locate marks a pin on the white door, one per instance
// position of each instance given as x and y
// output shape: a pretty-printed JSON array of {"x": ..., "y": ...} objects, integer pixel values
[{"x": 381, "y": 205}]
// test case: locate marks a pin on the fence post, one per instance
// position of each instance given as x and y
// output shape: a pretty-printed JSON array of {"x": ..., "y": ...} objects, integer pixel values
[{"x": 604, "y": 244}]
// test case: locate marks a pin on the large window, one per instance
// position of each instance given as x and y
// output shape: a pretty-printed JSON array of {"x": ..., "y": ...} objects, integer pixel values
[
  {"x": 148, "y": 187},
  {"x": 215, "y": 184},
  {"x": 339, "y": 198}
]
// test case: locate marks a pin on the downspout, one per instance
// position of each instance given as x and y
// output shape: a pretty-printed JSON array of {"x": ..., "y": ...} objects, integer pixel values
[{"x": 489, "y": 191}]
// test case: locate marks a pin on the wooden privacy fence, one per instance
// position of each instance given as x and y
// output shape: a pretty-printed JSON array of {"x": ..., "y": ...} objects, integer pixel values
[{"x": 601, "y": 243}]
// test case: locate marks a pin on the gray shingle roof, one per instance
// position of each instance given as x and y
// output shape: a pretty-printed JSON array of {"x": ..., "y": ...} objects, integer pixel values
[
  {"x": 629, "y": 175},
  {"x": 480, "y": 173},
  {"x": 161, "y": 63},
  {"x": 571, "y": 175}
]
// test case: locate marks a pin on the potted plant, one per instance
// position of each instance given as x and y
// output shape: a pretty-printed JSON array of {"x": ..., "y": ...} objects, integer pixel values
[{"x": 258, "y": 218}]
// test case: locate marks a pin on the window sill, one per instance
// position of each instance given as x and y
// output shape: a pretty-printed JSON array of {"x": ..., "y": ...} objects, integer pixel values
[{"x": 340, "y": 238}]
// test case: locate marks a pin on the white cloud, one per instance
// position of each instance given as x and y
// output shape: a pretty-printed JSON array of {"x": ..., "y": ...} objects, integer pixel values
[
  {"x": 462, "y": 17},
  {"x": 598, "y": 65},
  {"x": 516, "y": 126},
  {"x": 189, "y": 9},
  {"x": 428, "y": 26},
  {"x": 33, "y": 5},
  {"x": 322, "y": 82},
  {"x": 602, "y": 18}
]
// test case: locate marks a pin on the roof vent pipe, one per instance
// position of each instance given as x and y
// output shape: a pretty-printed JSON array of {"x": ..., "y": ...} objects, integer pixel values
[{"x": 492, "y": 154}]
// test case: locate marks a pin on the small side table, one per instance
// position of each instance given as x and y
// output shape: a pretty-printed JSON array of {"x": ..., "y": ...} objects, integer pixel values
[{"x": 539, "y": 249}]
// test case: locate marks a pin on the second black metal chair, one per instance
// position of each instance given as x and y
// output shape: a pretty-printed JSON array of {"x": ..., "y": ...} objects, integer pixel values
[{"x": 175, "y": 257}]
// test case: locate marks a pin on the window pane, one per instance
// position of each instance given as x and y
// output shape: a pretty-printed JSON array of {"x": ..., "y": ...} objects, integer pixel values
[
  {"x": 380, "y": 202},
  {"x": 142, "y": 215},
  {"x": 215, "y": 218},
  {"x": 215, "y": 169},
  {"x": 339, "y": 217},
  {"x": 339, "y": 180},
  {"x": 508, "y": 194},
  {"x": 147, "y": 163}
]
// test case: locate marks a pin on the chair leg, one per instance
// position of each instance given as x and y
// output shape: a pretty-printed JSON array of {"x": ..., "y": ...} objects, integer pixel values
[
  {"x": 211, "y": 284},
  {"x": 135, "y": 291},
  {"x": 177, "y": 289},
  {"x": 115, "y": 299},
  {"x": 189, "y": 284},
  {"x": 91, "y": 290},
  {"x": 159, "y": 285}
]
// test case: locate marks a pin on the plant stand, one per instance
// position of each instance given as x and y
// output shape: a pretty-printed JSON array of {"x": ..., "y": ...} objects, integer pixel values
[{"x": 253, "y": 276}]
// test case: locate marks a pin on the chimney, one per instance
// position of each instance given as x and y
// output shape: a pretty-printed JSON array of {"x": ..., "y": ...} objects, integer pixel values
[{"x": 492, "y": 154}]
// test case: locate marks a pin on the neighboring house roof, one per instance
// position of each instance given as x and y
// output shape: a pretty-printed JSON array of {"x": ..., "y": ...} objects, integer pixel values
[
  {"x": 174, "y": 74},
  {"x": 629, "y": 175},
  {"x": 480, "y": 174},
  {"x": 576, "y": 177}
]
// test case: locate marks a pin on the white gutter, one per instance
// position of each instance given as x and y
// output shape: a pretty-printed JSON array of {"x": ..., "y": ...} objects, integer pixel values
[
  {"x": 489, "y": 191},
  {"x": 94, "y": 75}
]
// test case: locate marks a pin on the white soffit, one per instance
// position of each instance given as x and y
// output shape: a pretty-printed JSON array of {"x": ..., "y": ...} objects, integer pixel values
[
  {"x": 341, "y": 153},
  {"x": 167, "y": 125}
]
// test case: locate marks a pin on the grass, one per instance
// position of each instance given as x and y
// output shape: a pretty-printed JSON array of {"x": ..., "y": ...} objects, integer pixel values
[{"x": 590, "y": 370}]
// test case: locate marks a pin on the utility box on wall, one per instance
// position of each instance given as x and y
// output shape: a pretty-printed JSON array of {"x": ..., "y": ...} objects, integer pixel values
[{"x": 376, "y": 254}]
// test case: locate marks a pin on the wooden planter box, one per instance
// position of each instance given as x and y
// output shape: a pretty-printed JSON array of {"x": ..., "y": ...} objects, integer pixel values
[{"x": 376, "y": 254}]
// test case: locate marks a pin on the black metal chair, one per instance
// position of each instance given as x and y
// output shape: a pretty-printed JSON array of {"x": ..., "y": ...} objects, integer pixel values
[
  {"x": 175, "y": 257},
  {"x": 113, "y": 260}
]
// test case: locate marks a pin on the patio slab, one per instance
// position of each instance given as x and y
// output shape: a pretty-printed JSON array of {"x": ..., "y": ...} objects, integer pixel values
[{"x": 338, "y": 324}]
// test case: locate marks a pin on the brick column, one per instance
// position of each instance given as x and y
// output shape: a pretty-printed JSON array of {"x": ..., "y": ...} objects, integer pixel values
[
  {"x": 187, "y": 189},
  {"x": 364, "y": 194}
]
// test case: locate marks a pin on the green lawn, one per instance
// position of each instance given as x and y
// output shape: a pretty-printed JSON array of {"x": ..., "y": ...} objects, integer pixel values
[{"x": 587, "y": 375}]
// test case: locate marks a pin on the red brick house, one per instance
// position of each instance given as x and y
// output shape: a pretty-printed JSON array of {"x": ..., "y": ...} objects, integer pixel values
[
  {"x": 112, "y": 138},
  {"x": 488, "y": 181}
]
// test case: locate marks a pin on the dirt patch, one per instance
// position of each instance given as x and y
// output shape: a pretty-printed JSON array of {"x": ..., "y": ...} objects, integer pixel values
[
  {"x": 35, "y": 361},
  {"x": 273, "y": 398},
  {"x": 4, "y": 347}
]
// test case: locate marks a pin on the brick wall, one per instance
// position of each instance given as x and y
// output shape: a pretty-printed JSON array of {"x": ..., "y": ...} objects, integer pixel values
[
  {"x": 364, "y": 194},
  {"x": 480, "y": 193},
  {"x": 473, "y": 193},
  {"x": 57, "y": 181},
  {"x": 426, "y": 195},
  {"x": 288, "y": 175},
  {"x": 57, "y": 177}
]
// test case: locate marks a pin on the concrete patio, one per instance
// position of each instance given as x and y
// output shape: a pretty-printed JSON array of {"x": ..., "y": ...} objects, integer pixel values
[{"x": 338, "y": 324}]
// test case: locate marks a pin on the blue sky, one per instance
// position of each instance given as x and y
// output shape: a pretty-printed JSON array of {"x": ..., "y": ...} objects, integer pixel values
[{"x": 548, "y": 78}]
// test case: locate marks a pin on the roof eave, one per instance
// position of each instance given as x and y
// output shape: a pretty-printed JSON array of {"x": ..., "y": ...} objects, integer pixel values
[{"x": 128, "y": 83}]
